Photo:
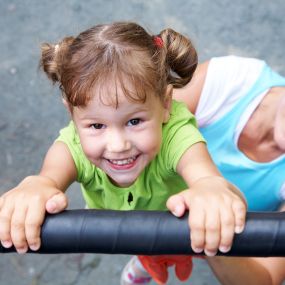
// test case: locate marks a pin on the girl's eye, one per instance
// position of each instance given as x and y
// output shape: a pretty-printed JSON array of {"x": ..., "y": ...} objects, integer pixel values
[
  {"x": 134, "y": 122},
  {"x": 97, "y": 126}
]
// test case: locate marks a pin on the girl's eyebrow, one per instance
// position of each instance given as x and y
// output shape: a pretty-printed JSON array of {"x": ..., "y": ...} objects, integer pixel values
[
  {"x": 139, "y": 109},
  {"x": 92, "y": 116}
]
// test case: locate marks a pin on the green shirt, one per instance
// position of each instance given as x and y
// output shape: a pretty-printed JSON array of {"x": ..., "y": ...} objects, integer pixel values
[{"x": 158, "y": 180}]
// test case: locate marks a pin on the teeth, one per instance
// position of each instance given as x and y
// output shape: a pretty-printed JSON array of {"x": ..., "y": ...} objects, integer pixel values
[{"x": 123, "y": 161}]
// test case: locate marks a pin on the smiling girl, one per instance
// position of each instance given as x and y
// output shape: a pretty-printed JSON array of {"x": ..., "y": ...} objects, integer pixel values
[{"x": 128, "y": 144}]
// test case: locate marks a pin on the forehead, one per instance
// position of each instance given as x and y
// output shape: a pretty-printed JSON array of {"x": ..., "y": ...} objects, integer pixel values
[
  {"x": 113, "y": 92},
  {"x": 118, "y": 97}
]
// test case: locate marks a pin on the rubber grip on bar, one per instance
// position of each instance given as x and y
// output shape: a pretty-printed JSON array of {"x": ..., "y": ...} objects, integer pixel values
[{"x": 150, "y": 233}]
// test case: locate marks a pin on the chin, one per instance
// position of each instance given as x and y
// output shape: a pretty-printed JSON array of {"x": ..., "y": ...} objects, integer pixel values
[
  {"x": 280, "y": 141},
  {"x": 281, "y": 144},
  {"x": 121, "y": 182}
]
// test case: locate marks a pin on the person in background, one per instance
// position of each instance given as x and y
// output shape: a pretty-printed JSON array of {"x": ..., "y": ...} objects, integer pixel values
[{"x": 239, "y": 104}]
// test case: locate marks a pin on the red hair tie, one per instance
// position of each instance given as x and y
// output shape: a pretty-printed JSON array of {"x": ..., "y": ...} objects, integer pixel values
[{"x": 158, "y": 41}]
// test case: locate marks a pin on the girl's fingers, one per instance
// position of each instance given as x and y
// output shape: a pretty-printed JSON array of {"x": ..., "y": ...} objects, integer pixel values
[
  {"x": 176, "y": 205},
  {"x": 239, "y": 210},
  {"x": 213, "y": 231},
  {"x": 56, "y": 203},
  {"x": 197, "y": 226},
  {"x": 34, "y": 220},
  {"x": 18, "y": 234},
  {"x": 227, "y": 228}
]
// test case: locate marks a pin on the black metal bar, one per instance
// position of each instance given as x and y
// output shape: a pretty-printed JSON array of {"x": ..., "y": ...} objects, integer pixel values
[{"x": 150, "y": 233}]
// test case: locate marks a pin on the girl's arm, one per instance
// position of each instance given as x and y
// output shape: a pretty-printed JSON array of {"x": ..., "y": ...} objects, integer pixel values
[
  {"x": 217, "y": 208},
  {"x": 59, "y": 166},
  {"x": 190, "y": 94},
  {"x": 23, "y": 208}
]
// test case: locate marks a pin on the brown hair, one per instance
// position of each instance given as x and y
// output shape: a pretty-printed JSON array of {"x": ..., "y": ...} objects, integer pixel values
[{"x": 119, "y": 54}]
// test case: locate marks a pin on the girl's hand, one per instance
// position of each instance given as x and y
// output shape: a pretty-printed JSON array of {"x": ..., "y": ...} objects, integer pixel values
[
  {"x": 22, "y": 211},
  {"x": 217, "y": 211}
]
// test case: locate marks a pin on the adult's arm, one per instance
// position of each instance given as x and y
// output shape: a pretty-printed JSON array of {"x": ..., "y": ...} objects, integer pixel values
[
  {"x": 253, "y": 271},
  {"x": 248, "y": 270}
]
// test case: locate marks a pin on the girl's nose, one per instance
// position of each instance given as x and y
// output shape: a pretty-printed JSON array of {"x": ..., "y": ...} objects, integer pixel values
[{"x": 118, "y": 142}]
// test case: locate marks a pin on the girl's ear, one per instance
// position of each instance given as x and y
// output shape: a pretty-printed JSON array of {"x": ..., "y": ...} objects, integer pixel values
[
  {"x": 67, "y": 106},
  {"x": 167, "y": 103}
]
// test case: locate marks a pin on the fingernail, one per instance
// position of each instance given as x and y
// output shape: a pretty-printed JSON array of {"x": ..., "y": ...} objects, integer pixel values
[
  {"x": 210, "y": 253},
  {"x": 224, "y": 249},
  {"x": 22, "y": 250},
  {"x": 52, "y": 206},
  {"x": 6, "y": 243},
  {"x": 34, "y": 247},
  {"x": 238, "y": 229},
  {"x": 197, "y": 249},
  {"x": 177, "y": 211}
]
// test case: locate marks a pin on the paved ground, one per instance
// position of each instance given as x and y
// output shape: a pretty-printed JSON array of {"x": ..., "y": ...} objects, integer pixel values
[{"x": 31, "y": 113}]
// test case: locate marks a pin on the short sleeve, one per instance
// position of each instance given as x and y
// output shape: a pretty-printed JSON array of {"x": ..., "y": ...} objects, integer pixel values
[{"x": 179, "y": 134}]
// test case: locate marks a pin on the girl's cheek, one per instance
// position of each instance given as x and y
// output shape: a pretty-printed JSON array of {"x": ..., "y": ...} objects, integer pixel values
[
  {"x": 153, "y": 143},
  {"x": 89, "y": 148}
]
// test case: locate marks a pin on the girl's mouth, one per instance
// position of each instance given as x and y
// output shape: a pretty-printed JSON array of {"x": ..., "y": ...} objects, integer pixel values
[{"x": 125, "y": 163}]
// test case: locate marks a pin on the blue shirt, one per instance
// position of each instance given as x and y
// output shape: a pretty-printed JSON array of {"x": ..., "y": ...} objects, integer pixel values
[{"x": 260, "y": 182}]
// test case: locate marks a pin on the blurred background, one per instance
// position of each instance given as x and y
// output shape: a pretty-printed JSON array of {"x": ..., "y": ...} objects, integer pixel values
[{"x": 32, "y": 114}]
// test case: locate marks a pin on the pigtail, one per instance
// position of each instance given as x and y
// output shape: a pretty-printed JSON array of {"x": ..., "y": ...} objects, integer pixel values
[
  {"x": 52, "y": 58},
  {"x": 180, "y": 58}
]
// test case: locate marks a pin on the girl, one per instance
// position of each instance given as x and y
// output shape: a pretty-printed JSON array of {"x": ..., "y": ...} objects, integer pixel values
[{"x": 128, "y": 144}]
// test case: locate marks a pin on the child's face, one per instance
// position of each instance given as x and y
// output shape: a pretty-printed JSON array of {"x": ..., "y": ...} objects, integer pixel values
[{"x": 121, "y": 141}]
